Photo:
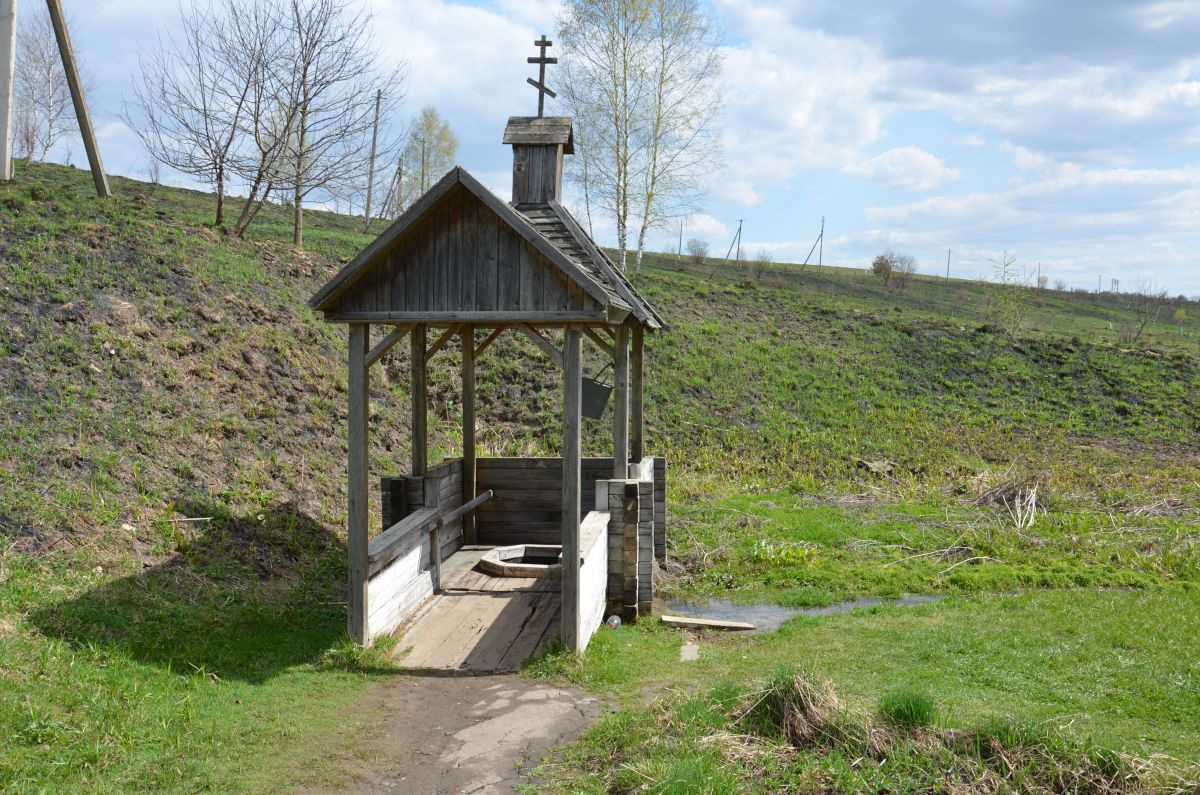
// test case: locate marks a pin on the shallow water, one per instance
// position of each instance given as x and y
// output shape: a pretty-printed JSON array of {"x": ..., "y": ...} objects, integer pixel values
[{"x": 768, "y": 617}]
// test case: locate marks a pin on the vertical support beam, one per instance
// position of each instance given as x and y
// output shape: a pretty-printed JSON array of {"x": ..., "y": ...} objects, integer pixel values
[
  {"x": 468, "y": 428},
  {"x": 621, "y": 403},
  {"x": 572, "y": 638},
  {"x": 356, "y": 486},
  {"x": 637, "y": 424},
  {"x": 8, "y": 62},
  {"x": 77, "y": 98},
  {"x": 420, "y": 386}
]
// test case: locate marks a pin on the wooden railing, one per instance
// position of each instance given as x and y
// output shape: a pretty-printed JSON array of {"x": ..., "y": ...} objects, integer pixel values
[{"x": 385, "y": 547}]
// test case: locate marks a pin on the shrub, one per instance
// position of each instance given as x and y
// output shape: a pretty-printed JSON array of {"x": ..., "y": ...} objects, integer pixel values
[{"x": 698, "y": 250}]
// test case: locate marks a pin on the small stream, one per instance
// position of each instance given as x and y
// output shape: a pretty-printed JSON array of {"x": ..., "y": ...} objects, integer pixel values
[{"x": 768, "y": 617}]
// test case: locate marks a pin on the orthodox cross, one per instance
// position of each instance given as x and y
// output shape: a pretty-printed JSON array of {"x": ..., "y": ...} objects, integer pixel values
[{"x": 540, "y": 83}]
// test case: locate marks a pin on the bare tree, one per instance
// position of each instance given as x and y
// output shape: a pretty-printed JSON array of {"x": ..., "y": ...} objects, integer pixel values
[
  {"x": 258, "y": 47},
  {"x": 1145, "y": 304},
  {"x": 903, "y": 269},
  {"x": 698, "y": 250},
  {"x": 42, "y": 97},
  {"x": 189, "y": 100},
  {"x": 642, "y": 79},
  {"x": 333, "y": 62}
]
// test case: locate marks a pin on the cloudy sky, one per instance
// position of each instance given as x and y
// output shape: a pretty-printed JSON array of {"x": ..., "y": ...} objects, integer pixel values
[{"x": 1065, "y": 132}]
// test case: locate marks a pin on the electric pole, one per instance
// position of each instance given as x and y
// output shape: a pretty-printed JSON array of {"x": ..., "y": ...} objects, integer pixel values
[
  {"x": 947, "y": 264},
  {"x": 821, "y": 250},
  {"x": 371, "y": 164}
]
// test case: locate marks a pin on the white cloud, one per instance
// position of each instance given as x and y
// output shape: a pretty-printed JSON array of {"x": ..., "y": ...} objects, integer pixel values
[
  {"x": 705, "y": 227},
  {"x": 905, "y": 167},
  {"x": 784, "y": 112}
]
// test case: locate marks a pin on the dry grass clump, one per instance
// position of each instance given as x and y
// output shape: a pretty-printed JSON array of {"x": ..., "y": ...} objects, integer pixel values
[
  {"x": 795, "y": 713},
  {"x": 1021, "y": 497}
]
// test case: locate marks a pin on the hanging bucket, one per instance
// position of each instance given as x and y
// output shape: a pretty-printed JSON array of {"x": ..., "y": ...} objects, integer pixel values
[{"x": 595, "y": 396}]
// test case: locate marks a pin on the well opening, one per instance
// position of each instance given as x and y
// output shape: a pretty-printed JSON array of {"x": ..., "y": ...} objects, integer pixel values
[{"x": 539, "y": 561}]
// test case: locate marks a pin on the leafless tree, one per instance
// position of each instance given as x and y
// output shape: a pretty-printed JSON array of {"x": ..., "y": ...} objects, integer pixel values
[
  {"x": 698, "y": 250},
  {"x": 1145, "y": 304},
  {"x": 642, "y": 80},
  {"x": 1060, "y": 285},
  {"x": 334, "y": 65},
  {"x": 42, "y": 98},
  {"x": 257, "y": 46},
  {"x": 903, "y": 269},
  {"x": 190, "y": 100}
]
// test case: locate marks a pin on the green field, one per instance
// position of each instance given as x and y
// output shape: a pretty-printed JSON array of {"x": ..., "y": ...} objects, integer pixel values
[{"x": 154, "y": 370}]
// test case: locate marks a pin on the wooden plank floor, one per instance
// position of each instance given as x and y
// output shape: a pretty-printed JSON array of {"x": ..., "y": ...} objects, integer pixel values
[{"x": 480, "y": 623}]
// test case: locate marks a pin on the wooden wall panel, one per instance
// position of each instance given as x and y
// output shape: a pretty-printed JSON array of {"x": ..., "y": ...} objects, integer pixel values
[{"x": 463, "y": 258}]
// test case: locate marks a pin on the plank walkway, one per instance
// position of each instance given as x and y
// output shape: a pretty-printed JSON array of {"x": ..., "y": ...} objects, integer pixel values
[{"x": 479, "y": 623}]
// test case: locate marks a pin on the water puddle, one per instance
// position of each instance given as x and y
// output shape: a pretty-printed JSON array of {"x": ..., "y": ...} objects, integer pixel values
[{"x": 768, "y": 618}]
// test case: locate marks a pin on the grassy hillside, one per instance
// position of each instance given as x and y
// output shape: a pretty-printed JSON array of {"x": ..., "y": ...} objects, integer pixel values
[{"x": 171, "y": 469}]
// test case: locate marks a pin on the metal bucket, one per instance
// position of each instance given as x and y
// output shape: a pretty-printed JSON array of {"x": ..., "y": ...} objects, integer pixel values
[{"x": 594, "y": 398}]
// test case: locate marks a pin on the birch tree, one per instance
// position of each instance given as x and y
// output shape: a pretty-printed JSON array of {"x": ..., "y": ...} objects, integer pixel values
[
  {"x": 642, "y": 80},
  {"x": 42, "y": 98},
  {"x": 428, "y": 152}
]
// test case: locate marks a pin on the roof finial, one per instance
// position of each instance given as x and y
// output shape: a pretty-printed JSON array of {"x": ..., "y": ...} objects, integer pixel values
[{"x": 540, "y": 83}]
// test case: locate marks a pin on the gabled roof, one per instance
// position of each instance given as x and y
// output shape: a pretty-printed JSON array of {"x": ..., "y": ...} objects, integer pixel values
[{"x": 550, "y": 229}]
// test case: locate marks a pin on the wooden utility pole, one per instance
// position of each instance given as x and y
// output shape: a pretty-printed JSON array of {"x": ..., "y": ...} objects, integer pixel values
[
  {"x": 73, "y": 82},
  {"x": 371, "y": 167},
  {"x": 8, "y": 62}
]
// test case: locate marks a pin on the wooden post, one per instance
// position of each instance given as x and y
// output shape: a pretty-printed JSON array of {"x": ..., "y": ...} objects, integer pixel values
[
  {"x": 468, "y": 428},
  {"x": 8, "y": 62},
  {"x": 571, "y": 450},
  {"x": 621, "y": 404},
  {"x": 420, "y": 438},
  {"x": 81, "y": 111},
  {"x": 356, "y": 487},
  {"x": 371, "y": 165},
  {"x": 637, "y": 425}
]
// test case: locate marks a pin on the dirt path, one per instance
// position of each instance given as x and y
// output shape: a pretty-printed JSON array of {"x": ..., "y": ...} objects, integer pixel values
[{"x": 453, "y": 735}]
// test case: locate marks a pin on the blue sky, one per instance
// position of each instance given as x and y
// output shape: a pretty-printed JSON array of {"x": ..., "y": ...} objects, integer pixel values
[{"x": 1065, "y": 132}]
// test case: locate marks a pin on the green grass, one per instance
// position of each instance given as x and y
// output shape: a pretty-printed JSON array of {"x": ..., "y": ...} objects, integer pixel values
[
  {"x": 907, "y": 708},
  {"x": 791, "y": 733},
  {"x": 155, "y": 370},
  {"x": 1110, "y": 669}
]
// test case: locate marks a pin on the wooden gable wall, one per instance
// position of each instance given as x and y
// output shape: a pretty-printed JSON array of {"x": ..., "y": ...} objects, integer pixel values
[{"x": 461, "y": 258}]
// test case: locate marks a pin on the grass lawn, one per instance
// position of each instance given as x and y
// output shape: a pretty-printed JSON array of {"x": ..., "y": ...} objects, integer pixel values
[{"x": 1111, "y": 669}]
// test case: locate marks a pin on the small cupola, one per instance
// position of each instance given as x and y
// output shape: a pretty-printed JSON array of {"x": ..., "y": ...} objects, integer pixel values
[{"x": 539, "y": 143}]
